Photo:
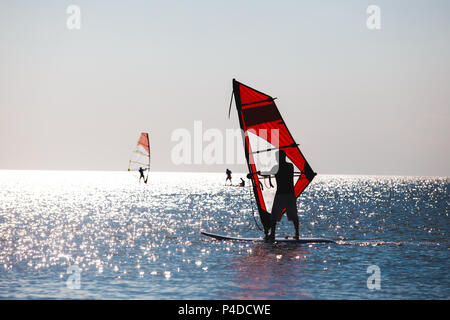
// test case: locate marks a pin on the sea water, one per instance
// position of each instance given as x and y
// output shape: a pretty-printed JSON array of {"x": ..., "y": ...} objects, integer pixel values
[{"x": 105, "y": 235}]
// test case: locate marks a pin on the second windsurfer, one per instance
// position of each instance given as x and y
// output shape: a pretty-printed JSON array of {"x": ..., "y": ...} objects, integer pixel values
[
  {"x": 228, "y": 173},
  {"x": 141, "y": 171}
]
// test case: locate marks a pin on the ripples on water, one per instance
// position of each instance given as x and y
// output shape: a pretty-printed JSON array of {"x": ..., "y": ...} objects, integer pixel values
[{"x": 142, "y": 241}]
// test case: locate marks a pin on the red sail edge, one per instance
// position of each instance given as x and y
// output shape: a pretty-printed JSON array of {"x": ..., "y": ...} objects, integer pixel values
[
  {"x": 258, "y": 112},
  {"x": 144, "y": 142}
]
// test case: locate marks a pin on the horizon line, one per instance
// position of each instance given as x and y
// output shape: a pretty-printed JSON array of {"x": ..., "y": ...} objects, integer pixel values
[{"x": 236, "y": 172}]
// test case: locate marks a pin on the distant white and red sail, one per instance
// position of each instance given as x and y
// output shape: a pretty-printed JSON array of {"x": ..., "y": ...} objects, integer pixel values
[
  {"x": 140, "y": 157},
  {"x": 265, "y": 132}
]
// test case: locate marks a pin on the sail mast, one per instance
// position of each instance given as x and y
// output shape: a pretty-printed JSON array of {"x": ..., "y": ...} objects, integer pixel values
[{"x": 148, "y": 168}]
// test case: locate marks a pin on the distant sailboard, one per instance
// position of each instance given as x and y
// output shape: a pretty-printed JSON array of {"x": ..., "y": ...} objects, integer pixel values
[
  {"x": 265, "y": 132},
  {"x": 140, "y": 157}
]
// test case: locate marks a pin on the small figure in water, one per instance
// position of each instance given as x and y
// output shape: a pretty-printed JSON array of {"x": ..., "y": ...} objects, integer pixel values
[
  {"x": 228, "y": 172},
  {"x": 141, "y": 171},
  {"x": 284, "y": 196},
  {"x": 242, "y": 184}
]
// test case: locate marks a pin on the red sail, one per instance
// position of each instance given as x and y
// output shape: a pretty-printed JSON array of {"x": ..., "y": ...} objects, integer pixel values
[
  {"x": 144, "y": 142},
  {"x": 265, "y": 132}
]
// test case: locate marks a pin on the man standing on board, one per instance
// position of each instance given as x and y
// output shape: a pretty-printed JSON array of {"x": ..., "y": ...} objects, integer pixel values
[
  {"x": 141, "y": 171},
  {"x": 285, "y": 195}
]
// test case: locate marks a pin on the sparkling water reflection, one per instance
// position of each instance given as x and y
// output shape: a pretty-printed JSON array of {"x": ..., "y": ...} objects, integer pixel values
[{"x": 132, "y": 240}]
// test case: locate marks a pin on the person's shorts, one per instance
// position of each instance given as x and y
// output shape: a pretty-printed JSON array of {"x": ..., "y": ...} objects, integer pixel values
[{"x": 281, "y": 202}]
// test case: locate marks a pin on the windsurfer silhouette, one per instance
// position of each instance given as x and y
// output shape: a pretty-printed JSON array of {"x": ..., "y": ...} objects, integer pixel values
[
  {"x": 284, "y": 196},
  {"x": 228, "y": 172},
  {"x": 141, "y": 171},
  {"x": 242, "y": 183}
]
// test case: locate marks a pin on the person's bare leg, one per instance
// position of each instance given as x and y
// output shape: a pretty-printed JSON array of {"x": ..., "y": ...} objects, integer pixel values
[
  {"x": 271, "y": 236},
  {"x": 272, "y": 231},
  {"x": 296, "y": 229}
]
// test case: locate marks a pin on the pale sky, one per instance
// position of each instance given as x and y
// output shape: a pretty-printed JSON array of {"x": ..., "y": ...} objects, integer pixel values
[{"x": 358, "y": 101}]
